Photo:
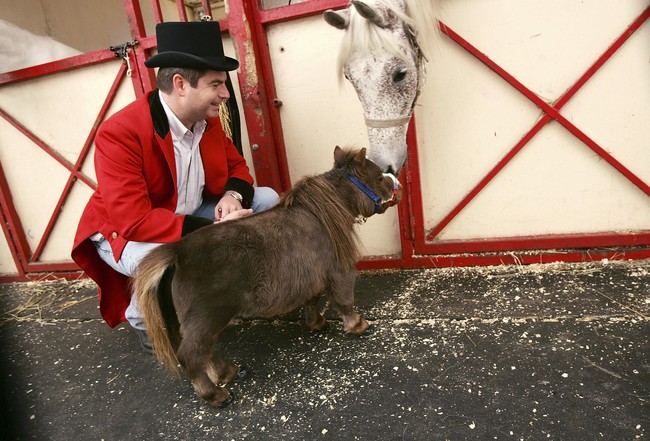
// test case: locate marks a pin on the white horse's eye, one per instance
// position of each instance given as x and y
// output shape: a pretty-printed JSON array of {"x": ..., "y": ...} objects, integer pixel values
[{"x": 399, "y": 74}]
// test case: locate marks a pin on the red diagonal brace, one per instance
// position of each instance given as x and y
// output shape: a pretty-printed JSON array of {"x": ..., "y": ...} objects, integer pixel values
[
  {"x": 552, "y": 112},
  {"x": 121, "y": 74},
  {"x": 46, "y": 148}
]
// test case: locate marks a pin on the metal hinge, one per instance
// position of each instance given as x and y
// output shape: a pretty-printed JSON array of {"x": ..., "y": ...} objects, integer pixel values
[{"x": 122, "y": 51}]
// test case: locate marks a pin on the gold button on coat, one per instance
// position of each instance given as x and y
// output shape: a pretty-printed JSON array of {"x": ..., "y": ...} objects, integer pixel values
[{"x": 114, "y": 235}]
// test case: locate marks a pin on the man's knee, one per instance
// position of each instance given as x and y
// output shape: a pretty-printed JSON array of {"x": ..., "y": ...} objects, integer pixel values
[{"x": 264, "y": 198}]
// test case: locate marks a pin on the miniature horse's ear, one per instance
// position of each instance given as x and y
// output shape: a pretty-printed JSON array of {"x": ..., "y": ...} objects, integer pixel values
[
  {"x": 360, "y": 157},
  {"x": 339, "y": 157},
  {"x": 338, "y": 19}
]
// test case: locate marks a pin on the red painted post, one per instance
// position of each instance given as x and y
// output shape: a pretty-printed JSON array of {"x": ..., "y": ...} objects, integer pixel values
[{"x": 257, "y": 91}]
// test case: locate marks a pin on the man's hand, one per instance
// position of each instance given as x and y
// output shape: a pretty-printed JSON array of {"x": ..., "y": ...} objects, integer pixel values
[
  {"x": 237, "y": 214},
  {"x": 226, "y": 205}
]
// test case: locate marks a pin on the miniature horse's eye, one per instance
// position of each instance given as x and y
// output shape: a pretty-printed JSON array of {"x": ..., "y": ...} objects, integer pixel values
[{"x": 399, "y": 74}]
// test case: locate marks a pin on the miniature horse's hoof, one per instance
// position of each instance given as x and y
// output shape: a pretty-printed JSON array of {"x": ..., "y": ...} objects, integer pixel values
[
  {"x": 228, "y": 401},
  {"x": 369, "y": 331},
  {"x": 322, "y": 328},
  {"x": 242, "y": 374},
  {"x": 357, "y": 326}
]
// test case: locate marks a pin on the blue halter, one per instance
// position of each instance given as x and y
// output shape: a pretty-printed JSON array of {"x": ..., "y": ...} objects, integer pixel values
[{"x": 371, "y": 194}]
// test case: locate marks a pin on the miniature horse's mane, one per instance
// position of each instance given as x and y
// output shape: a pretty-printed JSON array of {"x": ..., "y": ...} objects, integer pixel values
[
  {"x": 318, "y": 195},
  {"x": 361, "y": 35}
]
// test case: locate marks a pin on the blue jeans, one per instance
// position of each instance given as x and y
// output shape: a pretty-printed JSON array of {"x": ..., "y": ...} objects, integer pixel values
[{"x": 264, "y": 198}]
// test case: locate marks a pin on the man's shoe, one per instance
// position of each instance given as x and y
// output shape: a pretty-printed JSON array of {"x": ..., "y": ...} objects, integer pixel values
[{"x": 144, "y": 341}]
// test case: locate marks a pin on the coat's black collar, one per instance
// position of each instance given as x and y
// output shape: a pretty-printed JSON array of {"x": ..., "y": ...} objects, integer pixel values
[{"x": 158, "y": 115}]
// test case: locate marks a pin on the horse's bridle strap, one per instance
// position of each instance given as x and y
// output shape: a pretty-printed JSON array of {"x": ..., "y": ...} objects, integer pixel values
[
  {"x": 386, "y": 123},
  {"x": 374, "y": 196}
]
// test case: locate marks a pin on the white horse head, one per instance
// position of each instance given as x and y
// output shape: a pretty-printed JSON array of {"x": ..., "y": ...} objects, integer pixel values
[{"x": 383, "y": 51}]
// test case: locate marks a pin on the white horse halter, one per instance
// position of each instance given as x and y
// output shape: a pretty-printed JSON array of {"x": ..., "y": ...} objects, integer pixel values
[{"x": 387, "y": 123}]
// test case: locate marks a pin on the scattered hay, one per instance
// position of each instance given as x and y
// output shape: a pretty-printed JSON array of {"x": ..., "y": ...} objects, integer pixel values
[{"x": 39, "y": 297}]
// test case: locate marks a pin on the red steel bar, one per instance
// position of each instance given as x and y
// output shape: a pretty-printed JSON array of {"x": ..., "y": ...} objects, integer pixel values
[
  {"x": 512, "y": 258},
  {"x": 553, "y": 111},
  {"x": 299, "y": 10},
  {"x": 14, "y": 233},
  {"x": 138, "y": 33},
  {"x": 157, "y": 12},
  {"x": 182, "y": 12},
  {"x": 55, "y": 67}
]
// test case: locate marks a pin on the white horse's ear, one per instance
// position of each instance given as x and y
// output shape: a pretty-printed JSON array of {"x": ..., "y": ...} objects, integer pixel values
[
  {"x": 369, "y": 13},
  {"x": 338, "y": 19}
]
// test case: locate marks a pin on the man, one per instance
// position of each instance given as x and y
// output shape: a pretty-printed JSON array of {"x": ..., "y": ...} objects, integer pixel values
[{"x": 165, "y": 168}]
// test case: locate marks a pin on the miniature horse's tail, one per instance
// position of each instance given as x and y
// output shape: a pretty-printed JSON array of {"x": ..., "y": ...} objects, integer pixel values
[{"x": 152, "y": 286}]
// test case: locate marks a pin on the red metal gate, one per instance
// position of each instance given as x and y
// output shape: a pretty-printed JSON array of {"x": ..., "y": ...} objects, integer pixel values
[
  {"x": 428, "y": 250},
  {"x": 246, "y": 23},
  {"x": 26, "y": 260}
]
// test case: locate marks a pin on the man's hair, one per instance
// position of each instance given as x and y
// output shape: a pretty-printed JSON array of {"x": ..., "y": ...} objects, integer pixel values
[{"x": 166, "y": 74}]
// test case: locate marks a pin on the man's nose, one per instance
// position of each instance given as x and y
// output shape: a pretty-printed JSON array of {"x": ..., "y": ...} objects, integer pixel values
[{"x": 224, "y": 92}]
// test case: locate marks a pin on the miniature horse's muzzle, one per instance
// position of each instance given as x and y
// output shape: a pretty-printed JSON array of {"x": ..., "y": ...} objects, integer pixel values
[{"x": 379, "y": 202}]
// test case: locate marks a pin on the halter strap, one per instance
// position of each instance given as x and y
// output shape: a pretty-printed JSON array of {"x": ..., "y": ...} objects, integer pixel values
[
  {"x": 386, "y": 123},
  {"x": 371, "y": 194}
]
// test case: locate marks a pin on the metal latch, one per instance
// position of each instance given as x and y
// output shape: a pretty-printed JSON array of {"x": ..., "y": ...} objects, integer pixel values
[{"x": 122, "y": 51}]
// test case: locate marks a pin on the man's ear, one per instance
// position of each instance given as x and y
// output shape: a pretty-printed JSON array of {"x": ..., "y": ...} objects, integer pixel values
[{"x": 179, "y": 83}]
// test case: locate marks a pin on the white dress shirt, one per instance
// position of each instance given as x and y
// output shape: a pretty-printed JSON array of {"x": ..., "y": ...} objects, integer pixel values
[{"x": 189, "y": 166}]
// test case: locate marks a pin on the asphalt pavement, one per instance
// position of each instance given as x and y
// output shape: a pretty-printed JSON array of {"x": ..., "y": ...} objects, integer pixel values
[{"x": 539, "y": 352}]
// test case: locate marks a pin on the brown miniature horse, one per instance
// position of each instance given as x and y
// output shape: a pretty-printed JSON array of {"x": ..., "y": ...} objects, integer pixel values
[{"x": 261, "y": 266}]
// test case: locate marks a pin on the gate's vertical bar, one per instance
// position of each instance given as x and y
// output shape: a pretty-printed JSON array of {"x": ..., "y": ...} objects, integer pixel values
[
  {"x": 157, "y": 11},
  {"x": 142, "y": 78},
  {"x": 412, "y": 195},
  {"x": 256, "y": 85},
  {"x": 13, "y": 230},
  {"x": 182, "y": 12}
]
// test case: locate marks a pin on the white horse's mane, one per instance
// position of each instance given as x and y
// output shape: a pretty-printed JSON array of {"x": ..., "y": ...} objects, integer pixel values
[{"x": 361, "y": 35}]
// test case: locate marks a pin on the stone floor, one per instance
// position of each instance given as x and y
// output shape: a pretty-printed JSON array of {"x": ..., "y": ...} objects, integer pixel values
[{"x": 556, "y": 351}]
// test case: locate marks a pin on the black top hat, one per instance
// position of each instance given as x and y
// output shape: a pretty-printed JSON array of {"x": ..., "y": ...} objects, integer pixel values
[{"x": 195, "y": 44}]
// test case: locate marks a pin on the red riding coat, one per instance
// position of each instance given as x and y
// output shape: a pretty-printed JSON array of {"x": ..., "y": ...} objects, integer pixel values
[{"x": 136, "y": 192}]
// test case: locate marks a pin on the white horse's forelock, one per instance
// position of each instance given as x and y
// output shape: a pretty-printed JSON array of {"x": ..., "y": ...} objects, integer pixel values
[
  {"x": 423, "y": 15},
  {"x": 364, "y": 36}
]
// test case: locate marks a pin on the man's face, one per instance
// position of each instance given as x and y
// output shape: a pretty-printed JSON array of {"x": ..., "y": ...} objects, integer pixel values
[{"x": 203, "y": 101}]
